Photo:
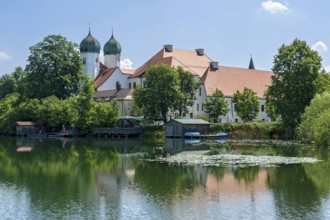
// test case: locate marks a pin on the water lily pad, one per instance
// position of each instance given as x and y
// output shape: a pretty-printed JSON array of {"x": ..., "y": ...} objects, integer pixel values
[{"x": 233, "y": 160}]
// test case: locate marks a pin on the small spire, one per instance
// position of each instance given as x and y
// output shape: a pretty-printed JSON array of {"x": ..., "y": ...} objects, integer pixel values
[{"x": 251, "y": 65}]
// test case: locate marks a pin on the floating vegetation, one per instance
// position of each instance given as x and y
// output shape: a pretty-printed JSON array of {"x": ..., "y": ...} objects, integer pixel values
[{"x": 232, "y": 160}]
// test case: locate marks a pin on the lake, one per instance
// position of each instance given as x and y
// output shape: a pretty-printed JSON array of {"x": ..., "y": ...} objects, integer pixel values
[{"x": 114, "y": 179}]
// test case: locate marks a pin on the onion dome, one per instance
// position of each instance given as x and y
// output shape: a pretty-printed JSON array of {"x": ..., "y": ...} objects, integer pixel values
[
  {"x": 90, "y": 44},
  {"x": 112, "y": 47}
]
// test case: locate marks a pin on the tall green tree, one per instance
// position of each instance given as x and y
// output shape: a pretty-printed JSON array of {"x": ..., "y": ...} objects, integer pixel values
[
  {"x": 216, "y": 105},
  {"x": 246, "y": 104},
  {"x": 7, "y": 85},
  {"x": 8, "y": 106},
  {"x": 161, "y": 91},
  {"x": 54, "y": 68},
  {"x": 296, "y": 67},
  {"x": 315, "y": 125},
  {"x": 322, "y": 83},
  {"x": 188, "y": 87}
]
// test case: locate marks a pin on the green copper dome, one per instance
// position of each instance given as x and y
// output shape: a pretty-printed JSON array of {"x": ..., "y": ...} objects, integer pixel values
[
  {"x": 112, "y": 47},
  {"x": 90, "y": 44}
]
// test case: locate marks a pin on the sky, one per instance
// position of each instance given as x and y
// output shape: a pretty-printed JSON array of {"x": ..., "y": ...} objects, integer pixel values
[{"x": 230, "y": 32}]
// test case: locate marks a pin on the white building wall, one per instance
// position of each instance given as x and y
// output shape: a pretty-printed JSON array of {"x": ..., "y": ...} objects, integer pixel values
[
  {"x": 133, "y": 82},
  {"x": 112, "y": 60},
  {"x": 116, "y": 76},
  {"x": 90, "y": 64},
  {"x": 198, "y": 109}
]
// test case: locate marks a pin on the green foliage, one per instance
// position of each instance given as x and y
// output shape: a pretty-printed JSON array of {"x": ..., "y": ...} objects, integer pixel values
[
  {"x": 54, "y": 113},
  {"x": 161, "y": 91},
  {"x": 296, "y": 67},
  {"x": 315, "y": 125},
  {"x": 246, "y": 104},
  {"x": 188, "y": 87},
  {"x": 254, "y": 130},
  {"x": 322, "y": 83},
  {"x": 7, "y": 112},
  {"x": 216, "y": 105},
  {"x": 54, "y": 68},
  {"x": 7, "y": 85},
  {"x": 203, "y": 117},
  {"x": 105, "y": 114}
]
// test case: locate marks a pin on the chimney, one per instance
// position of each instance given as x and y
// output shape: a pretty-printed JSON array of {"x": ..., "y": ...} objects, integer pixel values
[
  {"x": 118, "y": 86},
  {"x": 214, "y": 66},
  {"x": 168, "y": 47},
  {"x": 200, "y": 51}
]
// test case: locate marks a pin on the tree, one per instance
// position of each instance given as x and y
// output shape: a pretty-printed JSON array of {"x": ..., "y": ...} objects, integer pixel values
[
  {"x": 315, "y": 125},
  {"x": 160, "y": 92},
  {"x": 217, "y": 105},
  {"x": 54, "y": 68},
  {"x": 188, "y": 87},
  {"x": 296, "y": 67},
  {"x": 246, "y": 104},
  {"x": 7, "y": 85},
  {"x": 8, "y": 106},
  {"x": 322, "y": 83}
]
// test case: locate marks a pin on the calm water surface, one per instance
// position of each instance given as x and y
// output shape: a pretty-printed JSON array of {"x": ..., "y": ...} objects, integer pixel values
[{"x": 107, "y": 179}]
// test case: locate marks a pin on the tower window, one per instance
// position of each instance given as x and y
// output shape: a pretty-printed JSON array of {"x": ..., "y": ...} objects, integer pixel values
[
  {"x": 200, "y": 91},
  {"x": 262, "y": 108}
]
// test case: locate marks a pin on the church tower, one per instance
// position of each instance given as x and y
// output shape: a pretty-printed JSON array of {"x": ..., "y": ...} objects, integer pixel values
[
  {"x": 90, "y": 52},
  {"x": 112, "y": 50}
]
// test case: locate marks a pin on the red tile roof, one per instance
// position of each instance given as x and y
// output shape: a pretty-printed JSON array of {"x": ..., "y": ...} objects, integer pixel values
[
  {"x": 103, "y": 76},
  {"x": 231, "y": 79},
  {"x": 25, "y": 123},
  {"x": 187, "y": 59}
]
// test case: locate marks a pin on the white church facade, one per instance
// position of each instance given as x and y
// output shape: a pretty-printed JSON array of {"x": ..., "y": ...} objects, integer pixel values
[{"x": 113, "y": 82}]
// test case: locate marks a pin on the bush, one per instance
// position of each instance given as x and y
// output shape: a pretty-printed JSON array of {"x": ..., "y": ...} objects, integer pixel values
[{"x": 250, "y": 130}]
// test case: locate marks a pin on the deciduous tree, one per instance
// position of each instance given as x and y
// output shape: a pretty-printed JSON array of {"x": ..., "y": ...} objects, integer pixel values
[
  {"x": 54, "y": 68},
  {"x": 296, "y": 67},
  {"x": 216, "y": 105},
  {"x": 246, "y": 104},
  {"x": 161, "y": 91}
]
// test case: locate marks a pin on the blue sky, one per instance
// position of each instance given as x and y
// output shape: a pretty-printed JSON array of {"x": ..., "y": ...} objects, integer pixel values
[{"x": 229, "y": 31}]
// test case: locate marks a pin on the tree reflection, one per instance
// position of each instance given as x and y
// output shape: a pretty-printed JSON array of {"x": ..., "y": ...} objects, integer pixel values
[
  {"x": 298, "y": 190},
  {"x": 247, "y": 174},
  {"x": 55, "y": 175}
]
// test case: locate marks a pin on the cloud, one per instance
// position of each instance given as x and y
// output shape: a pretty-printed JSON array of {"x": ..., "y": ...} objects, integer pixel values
[
  {"x": 4, "y": 56},
  {"x": 126, "y": 63},
  {"x": 327, "y": 68},
  {"x": 274, "y": 7},
  {"x": 320, "y": 47}
]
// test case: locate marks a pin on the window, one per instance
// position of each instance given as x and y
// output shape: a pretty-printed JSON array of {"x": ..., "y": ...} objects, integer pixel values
[
  {"x": 84, "y": 60},
  {"x": 97, "y": 60},
  {"x": 129, "y": 85},
  {"x": 262, "y": 108},
  {"x": 197, "y": 107},
  {"x": 236, "y": 119},
  {"x": 200, "y": 91},
  {"x": 144, "y": 84},
  {"x": 134, "y": 85},
  {"x": 202, "y": 106},
  {"x": 191, "y": 115}
]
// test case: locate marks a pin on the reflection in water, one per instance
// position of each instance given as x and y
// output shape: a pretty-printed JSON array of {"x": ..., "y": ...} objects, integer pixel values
[{"x": 108, "y": 179}]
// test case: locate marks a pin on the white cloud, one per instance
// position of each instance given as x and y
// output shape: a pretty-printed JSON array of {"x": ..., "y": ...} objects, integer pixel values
[
  {"x": 274, "y": 7},
  {"x": 4, "y": 56},
  {"x": 320, "y": 47},
  {"x": 327, "y": 68},
  {"x": 126, "y": 63}
]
